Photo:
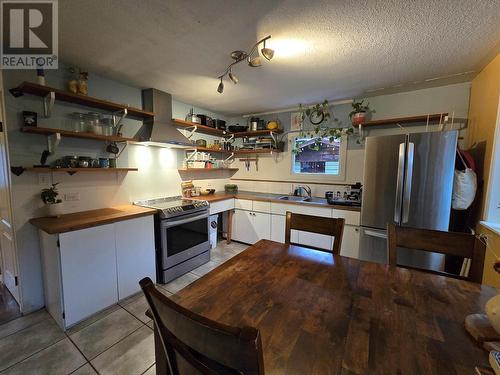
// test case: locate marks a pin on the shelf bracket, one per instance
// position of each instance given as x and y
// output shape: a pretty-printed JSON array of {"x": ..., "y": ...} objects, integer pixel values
[
  {"x": 192, "y": 155},
  {"x": 191, "y": 131},
  {"x": 122, "y": 115},
  {"x": 53, "y": 141},
  {"x": 230, "y": 138},
  {"x": 48, "y": 103},
  {"x": 229, "y": 157},
  {"x": 273, "y": 137}
]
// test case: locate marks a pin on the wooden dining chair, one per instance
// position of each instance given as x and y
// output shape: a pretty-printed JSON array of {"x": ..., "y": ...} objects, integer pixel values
[
  {"x": 194, "y": 344},
  {"x": 314, "y": 224},
  {"x": 449, "y": 243}
]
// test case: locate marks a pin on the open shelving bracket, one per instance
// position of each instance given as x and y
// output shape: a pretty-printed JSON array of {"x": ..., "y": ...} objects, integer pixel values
[
  {"x": 122, "y": 115},
  {"x": 48, "y": 103},
  {"x": 229, "y": 157},
  {"x": 53, "y": 141},
  {"x": 191, "y": 131}
]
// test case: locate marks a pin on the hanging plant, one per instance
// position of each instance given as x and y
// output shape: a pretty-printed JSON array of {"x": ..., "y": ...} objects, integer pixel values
[{"x": 318, "y": 114}]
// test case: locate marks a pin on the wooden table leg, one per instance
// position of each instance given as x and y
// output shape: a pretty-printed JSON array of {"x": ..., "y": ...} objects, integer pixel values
[{"x": 229, "y": 226}]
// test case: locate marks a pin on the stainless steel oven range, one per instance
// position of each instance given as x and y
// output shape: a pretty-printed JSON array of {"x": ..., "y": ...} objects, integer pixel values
[{"x": 181, "y": 235}]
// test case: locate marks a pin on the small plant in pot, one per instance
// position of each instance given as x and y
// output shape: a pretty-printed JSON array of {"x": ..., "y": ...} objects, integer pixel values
[
  {"x": 360, "y": 112},
  {"x": 52, "y": 202}
]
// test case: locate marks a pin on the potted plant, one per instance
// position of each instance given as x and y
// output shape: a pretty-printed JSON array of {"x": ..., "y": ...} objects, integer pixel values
[
  {"x": 50, "y": 198},
  {"x": 360, "y": 112}
]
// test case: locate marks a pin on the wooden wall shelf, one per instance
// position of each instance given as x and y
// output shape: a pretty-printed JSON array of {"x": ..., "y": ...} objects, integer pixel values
[
  {"x": 84, "y": 100},
  {"x": 207, "y": 169},
  {"x": 19, "y": 170},
  {"x": 200, "y": 128},
  {"x": 217, "y": 132},
  {"x": 72, "y": 134},
  {"x": 236, "y": 152},
  {"x": 435, "y": 117}
]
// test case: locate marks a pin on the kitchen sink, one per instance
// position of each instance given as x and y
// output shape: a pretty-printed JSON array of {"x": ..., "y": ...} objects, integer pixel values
[{"x": 293, "y": 198}]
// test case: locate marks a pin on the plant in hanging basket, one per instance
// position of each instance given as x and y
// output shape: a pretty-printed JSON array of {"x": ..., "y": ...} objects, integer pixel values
[
  {"x": 360, "y": 112},
  {"x": 53, "y": 204}
]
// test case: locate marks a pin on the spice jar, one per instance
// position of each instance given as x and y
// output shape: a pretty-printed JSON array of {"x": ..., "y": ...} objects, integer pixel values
[{"x": 83, "y": 87}]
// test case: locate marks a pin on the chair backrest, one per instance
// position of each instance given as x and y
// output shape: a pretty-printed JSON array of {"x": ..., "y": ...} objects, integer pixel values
[
  {"x": 449, "y": 243},
  {"x": 194, "y": 344},
  {"x": 314, "y": 224}
]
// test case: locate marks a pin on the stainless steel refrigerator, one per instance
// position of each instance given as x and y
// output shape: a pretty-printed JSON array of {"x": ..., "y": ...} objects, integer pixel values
[{"x": 408, "y": 180}]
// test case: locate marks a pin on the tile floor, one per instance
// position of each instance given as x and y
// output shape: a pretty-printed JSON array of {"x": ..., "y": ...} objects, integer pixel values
[
  {"x": 118, "y": 340},
  {"x": 8, "y": 306}
]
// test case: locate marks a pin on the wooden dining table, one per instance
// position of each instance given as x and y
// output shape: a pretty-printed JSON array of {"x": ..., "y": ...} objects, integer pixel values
[{"x": 320, "y": 313}]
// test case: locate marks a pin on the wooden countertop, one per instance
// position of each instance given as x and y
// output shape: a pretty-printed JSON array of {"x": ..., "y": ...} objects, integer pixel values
[
  {"x": 320, "y": 313},
  {"x": 88, "y": 219},
  {"x": 270, "y": 198}
]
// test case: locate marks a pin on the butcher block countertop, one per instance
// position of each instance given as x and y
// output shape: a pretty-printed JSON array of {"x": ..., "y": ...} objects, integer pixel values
[
  {"x": 88, "y": 219},
  {"x": 269, "y": 197}
]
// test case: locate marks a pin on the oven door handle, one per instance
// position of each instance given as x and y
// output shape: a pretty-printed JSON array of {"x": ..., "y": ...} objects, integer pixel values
[{"x": 174, "y": 222}]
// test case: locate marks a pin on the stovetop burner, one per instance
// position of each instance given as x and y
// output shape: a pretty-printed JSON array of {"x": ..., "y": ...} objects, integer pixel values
[{"x": 173, "y": 206}]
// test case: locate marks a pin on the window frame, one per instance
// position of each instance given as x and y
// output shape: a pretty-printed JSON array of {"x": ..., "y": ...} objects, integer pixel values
[{"x": 322, "y": 176}]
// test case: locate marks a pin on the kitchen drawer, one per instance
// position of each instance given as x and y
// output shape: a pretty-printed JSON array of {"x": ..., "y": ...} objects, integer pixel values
[
  {"x": 305, "y": 209},
  {"x": 221, "y": 206},
  {"x": 243, "y": 204},
  {"x": 350, "y": 217},
  {"x": 259, "y": 206}
]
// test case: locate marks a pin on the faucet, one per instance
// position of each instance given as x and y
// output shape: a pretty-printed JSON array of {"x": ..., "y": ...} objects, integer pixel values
[{"x": 298, "y": 191}]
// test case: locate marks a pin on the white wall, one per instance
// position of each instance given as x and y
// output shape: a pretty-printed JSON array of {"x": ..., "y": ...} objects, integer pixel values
[
  {"x": 451, "y": 99},
  {"x": 157, "y": 175}
]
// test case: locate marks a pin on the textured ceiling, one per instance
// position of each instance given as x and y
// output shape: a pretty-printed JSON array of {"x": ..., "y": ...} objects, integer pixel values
[{"x": 324, "y": 49}]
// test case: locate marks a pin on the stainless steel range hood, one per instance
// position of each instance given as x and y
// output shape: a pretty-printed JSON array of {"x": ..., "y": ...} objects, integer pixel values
[{"x": 160, "y": 131}]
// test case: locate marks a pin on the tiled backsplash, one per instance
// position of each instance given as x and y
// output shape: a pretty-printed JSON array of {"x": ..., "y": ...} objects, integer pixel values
[{"x": 317, "y": 190}]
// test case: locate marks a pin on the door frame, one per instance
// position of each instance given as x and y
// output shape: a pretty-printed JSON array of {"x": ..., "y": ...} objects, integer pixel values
[{"x": 6, "y": 225}]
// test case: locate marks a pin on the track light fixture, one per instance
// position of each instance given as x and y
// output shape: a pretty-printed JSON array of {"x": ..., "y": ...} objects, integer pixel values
[{"x": 254, "y": 62}]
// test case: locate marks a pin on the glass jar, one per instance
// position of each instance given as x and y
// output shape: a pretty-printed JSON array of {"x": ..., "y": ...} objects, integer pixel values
[
  {"x": 94, "y": 120},
  {"x": 78, "y": 122},
  {"x": 108, "y": 127}
]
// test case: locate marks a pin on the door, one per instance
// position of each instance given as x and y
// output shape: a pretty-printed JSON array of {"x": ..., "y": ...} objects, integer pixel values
[
  {"x": 373, "y": 245},
  {"x": 278, "y": 228},
  {"x": 135, "y": 254},
  {"x": 350, "y": 242},
  {"x": 243, "y": 229},
  {"x": 7, "y": 243},
  {"x": 88, "y": 269},
  {"x": 382, "y": 160},
  {"x": 261, "y": 226},
  {"x": 429, "y": 183}
]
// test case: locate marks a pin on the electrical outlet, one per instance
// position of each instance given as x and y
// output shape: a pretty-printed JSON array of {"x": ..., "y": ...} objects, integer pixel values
[
  {"x": 72, "y": 196},
  {"x": 43, "y": 179}
]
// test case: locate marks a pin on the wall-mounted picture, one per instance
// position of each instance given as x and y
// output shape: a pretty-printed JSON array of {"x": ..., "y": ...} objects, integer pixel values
[{"x": 30, "y": 118}]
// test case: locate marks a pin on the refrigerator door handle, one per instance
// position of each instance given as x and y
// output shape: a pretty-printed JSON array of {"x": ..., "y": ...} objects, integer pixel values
[
  {"x": 408, "y": 181},
  {"x": 372, "y": 233},
  {"x": 400, "y": 183}
]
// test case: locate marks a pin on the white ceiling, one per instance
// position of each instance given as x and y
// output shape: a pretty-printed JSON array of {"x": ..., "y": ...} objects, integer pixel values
[{"x": 324, "y": 49}]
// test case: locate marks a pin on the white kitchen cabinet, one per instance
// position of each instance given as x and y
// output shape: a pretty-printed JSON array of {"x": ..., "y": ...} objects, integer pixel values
[
  {"x": 134, "y": 258},
  {"x": 350, "y": 242},
  {"x": 261, "y": 226},
  {"x": 250, "y": 227},
  {"x": 278, "y": 223},
  {"x": 88, "y": 268},
  {"x": 221, "y": 206},
  {"x": 243, "y": 227}
]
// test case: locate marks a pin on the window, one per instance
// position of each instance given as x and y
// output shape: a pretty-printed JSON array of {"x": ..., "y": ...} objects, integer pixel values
[{"x": 324, "y": 159}]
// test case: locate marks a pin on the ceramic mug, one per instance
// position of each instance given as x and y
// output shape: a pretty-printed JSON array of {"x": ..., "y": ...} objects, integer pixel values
[{"x": 103, "y": 163}]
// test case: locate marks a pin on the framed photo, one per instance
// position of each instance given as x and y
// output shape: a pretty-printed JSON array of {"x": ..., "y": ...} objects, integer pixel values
[{"x": 29, "y": 118}]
